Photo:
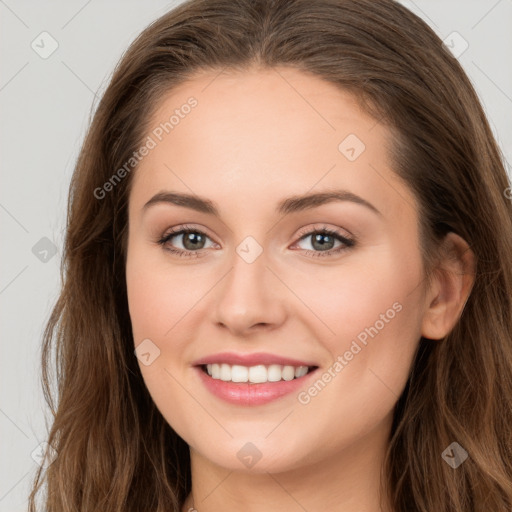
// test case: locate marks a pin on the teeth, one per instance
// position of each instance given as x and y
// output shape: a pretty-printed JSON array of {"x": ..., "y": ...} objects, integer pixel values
[
  {"x": 225, "y": 372},
  {"x": 300, "y": 371},
  {"x": 274, "y": 372},
  {"x": 255, "y": 374},
  {"x": 239, "y": 373}
]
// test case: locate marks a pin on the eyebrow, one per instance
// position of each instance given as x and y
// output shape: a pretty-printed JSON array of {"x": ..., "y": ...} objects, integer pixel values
[{"x": 289, "y": 205}]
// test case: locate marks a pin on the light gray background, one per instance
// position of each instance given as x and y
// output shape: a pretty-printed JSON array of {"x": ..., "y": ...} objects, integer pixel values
[{"x": 46, "y": 105}]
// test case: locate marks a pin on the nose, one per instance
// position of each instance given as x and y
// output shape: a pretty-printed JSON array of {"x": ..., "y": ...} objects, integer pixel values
[{"x": 250, "y": 298}]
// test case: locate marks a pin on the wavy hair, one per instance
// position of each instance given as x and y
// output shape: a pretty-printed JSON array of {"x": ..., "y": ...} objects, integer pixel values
[{"x": 115, "y": 451}]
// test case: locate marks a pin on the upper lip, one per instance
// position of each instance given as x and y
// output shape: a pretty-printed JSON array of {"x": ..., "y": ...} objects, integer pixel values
[{"x": 250, "y": 359}]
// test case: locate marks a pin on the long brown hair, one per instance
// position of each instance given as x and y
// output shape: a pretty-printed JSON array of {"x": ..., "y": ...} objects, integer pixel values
[{"x": 115, "y": 451}]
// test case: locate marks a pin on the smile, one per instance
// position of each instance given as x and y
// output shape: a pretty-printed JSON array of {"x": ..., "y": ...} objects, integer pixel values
[
  {"x": 249, "y": 393},
  {"x": 255, "y": 374}
]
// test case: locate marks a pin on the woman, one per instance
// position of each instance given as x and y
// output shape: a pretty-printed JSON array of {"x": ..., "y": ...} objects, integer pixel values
[{"x": 287, "y": 277}]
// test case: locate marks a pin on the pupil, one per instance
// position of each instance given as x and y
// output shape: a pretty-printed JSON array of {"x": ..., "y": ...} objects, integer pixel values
[
  {"x": 191, "y": 239},
  {"x": 322, "y": 244}
]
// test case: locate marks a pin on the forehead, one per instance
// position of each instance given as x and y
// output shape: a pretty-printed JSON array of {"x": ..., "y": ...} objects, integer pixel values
[{"x": 265, "y": 133}]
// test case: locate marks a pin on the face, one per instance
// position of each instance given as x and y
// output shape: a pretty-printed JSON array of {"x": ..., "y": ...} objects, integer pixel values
[{"x": 266, "y": 279}]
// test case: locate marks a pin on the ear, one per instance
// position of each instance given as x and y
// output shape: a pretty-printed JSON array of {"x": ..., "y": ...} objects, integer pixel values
[{"x": 450, "y": 289}]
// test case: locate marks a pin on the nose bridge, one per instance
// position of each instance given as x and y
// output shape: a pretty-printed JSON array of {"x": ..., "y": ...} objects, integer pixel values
[{"x": 249, "y": 295}]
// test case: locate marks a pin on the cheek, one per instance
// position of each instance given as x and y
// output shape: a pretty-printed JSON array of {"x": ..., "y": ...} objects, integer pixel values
[
  {"x": 366, "y": 311},
  {"x": 378, "y": 286},
  {"x": 158, "y": 298},
  {"x": 374, "y": 315},
  {"x": 158, "y": 294}
]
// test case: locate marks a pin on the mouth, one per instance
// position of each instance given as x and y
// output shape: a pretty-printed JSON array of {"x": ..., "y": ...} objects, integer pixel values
[
  {"x": 255, "y": 385},
  {"x": 258, "y": 374},
  {"x": 252, "y": 379}
]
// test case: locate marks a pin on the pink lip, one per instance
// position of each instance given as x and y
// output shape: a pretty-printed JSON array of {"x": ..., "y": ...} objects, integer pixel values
[
  {"x": 245, "y": 393},
  {"x": 250, "y": 359}
]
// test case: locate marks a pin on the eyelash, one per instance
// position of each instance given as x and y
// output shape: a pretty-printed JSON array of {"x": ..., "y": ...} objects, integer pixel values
[{"x": 183, "y": 230}]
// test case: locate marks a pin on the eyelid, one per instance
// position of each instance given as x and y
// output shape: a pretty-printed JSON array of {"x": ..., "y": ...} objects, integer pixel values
[
  {"x": 324, "y": 227},
  {"x": 186, "y": 227},
  {"x": 301, "y": 233},
  {"x": 182, "y": 229},
  {"x": 347, "y": 241}
]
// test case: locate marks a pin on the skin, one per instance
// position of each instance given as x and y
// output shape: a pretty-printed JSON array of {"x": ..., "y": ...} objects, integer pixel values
[{"x": 255, "y": 138}]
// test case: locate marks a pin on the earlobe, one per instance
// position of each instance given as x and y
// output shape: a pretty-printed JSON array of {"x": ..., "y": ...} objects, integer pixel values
[{"x": 451, "y": 287}]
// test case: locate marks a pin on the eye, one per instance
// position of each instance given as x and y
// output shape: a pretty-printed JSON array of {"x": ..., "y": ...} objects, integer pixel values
[
  {"x": 324, "y": 239},
  {"x": 193, "y": 241}
]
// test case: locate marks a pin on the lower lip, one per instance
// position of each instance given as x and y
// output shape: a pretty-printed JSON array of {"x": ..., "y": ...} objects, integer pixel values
[{"x": 245, "y": 393}]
